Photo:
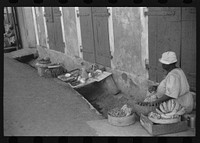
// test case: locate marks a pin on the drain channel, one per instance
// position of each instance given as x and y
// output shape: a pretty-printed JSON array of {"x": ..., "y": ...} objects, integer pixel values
[{"x": 101, "y": 99}]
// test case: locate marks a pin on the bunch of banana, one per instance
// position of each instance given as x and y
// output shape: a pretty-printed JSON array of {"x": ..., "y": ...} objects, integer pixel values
[{"x": 170, "y": 109}]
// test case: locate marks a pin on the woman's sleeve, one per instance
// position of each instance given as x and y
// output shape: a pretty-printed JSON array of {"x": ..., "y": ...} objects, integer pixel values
[{"x": 172, "y": 86}]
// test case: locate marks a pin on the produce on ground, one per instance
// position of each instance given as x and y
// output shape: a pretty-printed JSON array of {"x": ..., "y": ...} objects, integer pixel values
[{"x": 120, "y": 112}]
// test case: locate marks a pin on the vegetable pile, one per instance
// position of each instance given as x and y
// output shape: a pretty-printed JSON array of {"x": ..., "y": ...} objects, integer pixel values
[{"x": 120, "y": 112}]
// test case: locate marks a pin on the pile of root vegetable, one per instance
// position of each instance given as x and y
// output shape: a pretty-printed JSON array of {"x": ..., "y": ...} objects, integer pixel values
[{"x": 120, "y": 112}]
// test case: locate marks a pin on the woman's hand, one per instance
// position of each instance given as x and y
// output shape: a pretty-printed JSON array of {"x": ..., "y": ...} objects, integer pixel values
[{"x": 150, "y": 98}]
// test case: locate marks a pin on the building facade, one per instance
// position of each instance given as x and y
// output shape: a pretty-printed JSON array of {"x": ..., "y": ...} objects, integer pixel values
[{"x": 128, "y": 41}]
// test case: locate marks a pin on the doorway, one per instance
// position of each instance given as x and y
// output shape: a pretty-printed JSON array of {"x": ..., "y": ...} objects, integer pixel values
[
  {"x": 172, "y": 28},
  {"x": 54, "y": 29},
  {"x": 11, "y": 19},
  {"x": 94, "y": 35}
]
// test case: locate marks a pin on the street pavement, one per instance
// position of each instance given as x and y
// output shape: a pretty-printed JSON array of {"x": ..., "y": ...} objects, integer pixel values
[{"x": 37, "y": 106}]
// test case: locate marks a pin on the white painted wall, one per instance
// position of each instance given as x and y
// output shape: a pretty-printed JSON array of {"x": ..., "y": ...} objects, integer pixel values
[
  {"x": 111, "y": 34},
  {"x": 78, "y": 32},
  {"x": 63, "y": 27},
  {"x": 144, "y": 39},
  {"x": 35, "y": 26},
  {"x": 45, "y": 27}
]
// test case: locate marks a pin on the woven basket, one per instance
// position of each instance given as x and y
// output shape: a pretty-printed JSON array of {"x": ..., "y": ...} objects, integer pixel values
[
  {"x": 145, "y": 110},
  {"x": 122, "y": 121}
]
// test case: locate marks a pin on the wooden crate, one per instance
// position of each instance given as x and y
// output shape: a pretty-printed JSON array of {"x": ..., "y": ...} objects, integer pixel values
[{"x": 158, "y": 129}]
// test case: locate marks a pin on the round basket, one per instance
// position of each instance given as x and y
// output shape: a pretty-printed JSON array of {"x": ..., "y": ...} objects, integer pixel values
[
  {"x": 122, "y": 121},
  {"x": 145, "y": 110}
]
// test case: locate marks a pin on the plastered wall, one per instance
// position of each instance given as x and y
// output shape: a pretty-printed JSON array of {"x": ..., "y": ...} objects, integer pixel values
[
  {"x": 130, "y": 50},
  {"x": 41, "y": 26},
  {"x": 129, "y": 53}
]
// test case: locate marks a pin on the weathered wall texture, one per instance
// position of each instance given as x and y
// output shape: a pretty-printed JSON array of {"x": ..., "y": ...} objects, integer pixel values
[
  {"x": 130, "y": 41},
  {"x": 27, "y": 29},
  {"x": 70, "y": 31},
  {"x": 23, "y": 32},
  {"x": 127, "y": 35},
  {"x": 40, "y": 26},
  {"x": 29, "y": 26},
  {"x": 128, "y": 59}
]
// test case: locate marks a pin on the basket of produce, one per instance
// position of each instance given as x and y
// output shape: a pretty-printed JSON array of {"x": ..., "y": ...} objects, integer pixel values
[
  {"x": 70, "y": 76},
  {"x": 167, "y": 113},
  {"x": 67, "y": 77},
  {"x": 55, "y": 70},
  {"x": 75, "y": 72},
  {"x": 121, "y": 116}
]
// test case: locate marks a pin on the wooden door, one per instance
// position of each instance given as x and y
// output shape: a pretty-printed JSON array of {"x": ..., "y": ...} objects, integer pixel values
[
  {"x": 30, "y": 29},
  {"x": 60, "y": 45},
  {"x": 40, "y": 26},
  {"x": 164, "y": 34},
  {"x": 188, "y": 45},
  {"x": 172, "y": 29},
  {"x": 22, "y": 27},
  {"x": 94, "y": 34},
  {"x": 101, "y": 37},
  {"x": 87, "y": 34},
  {"x": 54, "y": 28}
]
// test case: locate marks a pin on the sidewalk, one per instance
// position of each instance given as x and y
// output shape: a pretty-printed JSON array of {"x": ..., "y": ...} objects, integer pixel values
[{"x": 37, "y": 106}]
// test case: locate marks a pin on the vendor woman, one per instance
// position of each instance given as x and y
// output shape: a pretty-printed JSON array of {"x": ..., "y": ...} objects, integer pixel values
[{"x": 174, "y": 85}]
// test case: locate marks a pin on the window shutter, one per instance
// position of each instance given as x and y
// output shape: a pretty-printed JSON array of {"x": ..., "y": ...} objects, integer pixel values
[
  {"x": 87, "y": 34},
  {"x": 164, "y": 34},
  {"x": 60, "y": 45},
  {"x": 48, "y": 14},
  {"x": 50, "y": 27},
  {"x": 188, "y": 50},
  {"x": 101, "y": 36}
]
